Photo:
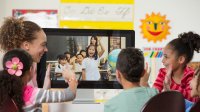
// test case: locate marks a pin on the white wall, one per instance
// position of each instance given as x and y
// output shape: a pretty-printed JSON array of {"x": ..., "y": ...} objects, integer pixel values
[
  {"x": 183, "y": 15},
  {"x": 3, "y": 10}
]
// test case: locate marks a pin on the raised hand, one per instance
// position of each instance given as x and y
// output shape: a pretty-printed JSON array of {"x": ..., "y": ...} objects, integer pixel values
[
  {"x": 68, "y": 74},
  {"x": 144, "y": 79},
  {"x": 48, "y": 71},
  {"x": 47, "y": 80},
  {"x": 70, "y": 78},
  {"x": 167, "y": 81},
  {"x": 73, "y": 85}
]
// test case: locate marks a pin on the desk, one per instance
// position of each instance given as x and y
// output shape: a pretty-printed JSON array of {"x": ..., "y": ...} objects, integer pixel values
[
  {"x": 84, "y": 102},
  {"x": 70, "y": 107}
]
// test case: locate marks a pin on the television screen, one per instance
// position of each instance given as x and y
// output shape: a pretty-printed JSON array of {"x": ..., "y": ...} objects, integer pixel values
[{"x": 71, "y": 42}]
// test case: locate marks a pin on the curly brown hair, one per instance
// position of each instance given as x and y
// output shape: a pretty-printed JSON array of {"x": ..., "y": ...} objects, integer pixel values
[{"x": 15, "y": 31}]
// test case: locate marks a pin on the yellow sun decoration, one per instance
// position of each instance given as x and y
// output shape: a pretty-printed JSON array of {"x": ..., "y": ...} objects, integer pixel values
[{"x": 155, "y": 27}]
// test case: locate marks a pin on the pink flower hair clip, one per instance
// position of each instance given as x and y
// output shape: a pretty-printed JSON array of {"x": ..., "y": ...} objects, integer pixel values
[{"x": 14, "y": 66}]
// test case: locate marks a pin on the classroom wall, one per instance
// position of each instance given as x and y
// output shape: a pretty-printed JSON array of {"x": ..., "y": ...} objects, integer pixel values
[
  {"x": 183, "y": 16},
  {"x": 2, "y": 11}
]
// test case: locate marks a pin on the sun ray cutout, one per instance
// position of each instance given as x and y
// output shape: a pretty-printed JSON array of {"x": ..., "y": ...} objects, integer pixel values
[{"x": 155, "y": 27}]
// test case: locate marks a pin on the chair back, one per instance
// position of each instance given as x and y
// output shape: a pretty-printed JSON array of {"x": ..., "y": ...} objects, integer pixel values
[
  {"x": 195, "y": 107},
  {"x": 169, "y": 101}
]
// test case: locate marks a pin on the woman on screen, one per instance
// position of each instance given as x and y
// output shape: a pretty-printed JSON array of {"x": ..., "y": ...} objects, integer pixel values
[{"x": 97, "y": 43}]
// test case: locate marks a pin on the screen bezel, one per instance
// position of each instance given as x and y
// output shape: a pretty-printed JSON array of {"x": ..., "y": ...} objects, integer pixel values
[{"x": 130, "y": 42}]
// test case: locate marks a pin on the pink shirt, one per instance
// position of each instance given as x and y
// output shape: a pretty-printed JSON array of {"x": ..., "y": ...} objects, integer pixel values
[{"x": 33, "y": 81}]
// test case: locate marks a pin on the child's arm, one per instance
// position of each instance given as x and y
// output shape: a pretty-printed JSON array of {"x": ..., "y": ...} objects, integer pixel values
[
  {"x": 47, "y": 80},
  {"x": 144, "y": 79},
  {"x": 73, "y": 64},
  {"x": 102, "y": 49},
  {"x": 83, "y": 69},
  {"x": 50, "y": 96},
  {"x": 158, "y": 84},
  {"x": 167, "y": 82},
  {"x": 83, "y": 74}
]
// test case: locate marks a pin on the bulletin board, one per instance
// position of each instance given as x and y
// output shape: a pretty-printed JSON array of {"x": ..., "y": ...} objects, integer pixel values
[{"x": 97, "y": 14}]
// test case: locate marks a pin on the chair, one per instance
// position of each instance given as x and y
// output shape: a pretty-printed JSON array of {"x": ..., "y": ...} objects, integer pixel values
[
  {"x": 195, "y": 107},
  {"x": 169, "y": 101},
  {"x": 8, "y": 106}
]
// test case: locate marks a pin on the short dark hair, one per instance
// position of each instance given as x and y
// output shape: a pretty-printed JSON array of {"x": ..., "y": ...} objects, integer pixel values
[
  {"x": 80, "y": 55},
  {"x": 61, "y": 57},
  {"x": 82, "y": 51},
  {"x": 130, "y": 63},
  {"x": 67, "y": 52}
]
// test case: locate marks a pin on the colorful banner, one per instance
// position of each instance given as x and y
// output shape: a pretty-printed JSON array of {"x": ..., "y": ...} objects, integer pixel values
[
  {"x": 153, "y": 52},
  {"x": 153, "y": 56},
  {"x": 100, "y": 14}
]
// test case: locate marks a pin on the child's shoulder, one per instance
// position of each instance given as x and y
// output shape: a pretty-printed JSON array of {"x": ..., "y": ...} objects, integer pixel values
[
  {"x": 27, "y": 92},
  {"x": 162, "y": 71},
  {"x": 188, "y": 73},
  {"x": 188, "y": 70},
  {"x": 152, "y": 91}
]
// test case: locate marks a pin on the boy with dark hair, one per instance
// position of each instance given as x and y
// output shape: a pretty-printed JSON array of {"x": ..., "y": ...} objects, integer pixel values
[
  {"x": 61, "y": 64},
  {"x": 129, "y": 70}
]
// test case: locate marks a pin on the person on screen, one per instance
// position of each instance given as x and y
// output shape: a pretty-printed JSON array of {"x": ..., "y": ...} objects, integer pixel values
[
  {"x": 78, "y": 63},
  {"x": 129, "y": 70},
  {"x": 61, "y": 64},
  {"x": 97, "y": 43},
  {"x": 83, "y": 52},
  {"x": 68, "y": 56},
  {"x": 90, "y": 70}
]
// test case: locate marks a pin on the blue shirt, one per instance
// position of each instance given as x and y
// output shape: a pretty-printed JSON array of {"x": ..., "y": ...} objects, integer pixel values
[
  {"x": 130, "y": 100},
  {"x": 188, "y": 105}
]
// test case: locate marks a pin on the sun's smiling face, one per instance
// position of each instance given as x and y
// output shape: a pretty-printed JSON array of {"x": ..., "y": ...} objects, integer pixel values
[{"x": 155, "y": 27}]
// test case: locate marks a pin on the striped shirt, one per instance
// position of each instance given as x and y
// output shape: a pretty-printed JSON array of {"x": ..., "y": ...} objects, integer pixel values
[
  {"x": 184, "y": 87},
  {"x": 34, "y": 97}
]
